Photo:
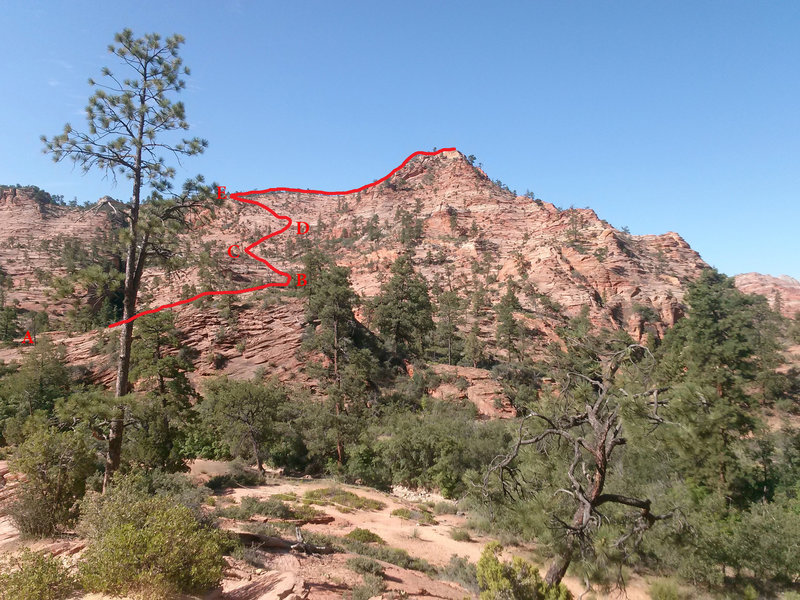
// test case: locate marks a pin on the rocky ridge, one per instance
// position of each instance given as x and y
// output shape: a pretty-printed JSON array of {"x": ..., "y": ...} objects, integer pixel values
[{"x": 469, "y": 230}]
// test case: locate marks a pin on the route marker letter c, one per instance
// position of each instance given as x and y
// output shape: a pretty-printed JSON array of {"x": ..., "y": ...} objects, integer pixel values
[{"x": 230, "y": 251}]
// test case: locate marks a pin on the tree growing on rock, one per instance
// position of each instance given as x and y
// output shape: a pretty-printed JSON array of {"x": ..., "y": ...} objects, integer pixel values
[{"x": 130, "y": 118}]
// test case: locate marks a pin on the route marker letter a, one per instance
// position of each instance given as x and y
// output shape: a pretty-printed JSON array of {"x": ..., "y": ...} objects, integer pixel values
[{"x": 27, "y": 339}]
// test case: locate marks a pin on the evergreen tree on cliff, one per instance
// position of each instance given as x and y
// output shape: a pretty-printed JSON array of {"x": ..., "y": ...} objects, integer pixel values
[{"x": 129, "y": 120}]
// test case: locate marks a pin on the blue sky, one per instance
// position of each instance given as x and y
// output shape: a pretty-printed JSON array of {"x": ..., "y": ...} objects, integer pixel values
[{"x": 681, "y": 116}]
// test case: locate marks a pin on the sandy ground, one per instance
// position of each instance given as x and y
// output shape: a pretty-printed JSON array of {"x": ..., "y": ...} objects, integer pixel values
[{"x": 289, "y": 576}]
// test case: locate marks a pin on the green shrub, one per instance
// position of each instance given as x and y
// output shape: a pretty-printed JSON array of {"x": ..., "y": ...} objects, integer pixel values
[
  {"x": 147, "y": 545},
  {"x": 365, "y": 536},
  {"x": 666, "y": 589},
  {"x": 241, "y": 475},
  {"x": 250, "y": 506},
  {"x": 387, "y": 554},
  {"x": 365, "y": 566},
  {"x": 290, "y": 497},
  {"x": 519, "y": 579},
  {"x": 34, "y": 576},
  {"x": 167, "y": 553},
  {"x": 335, "y": 495},
  {"x": 420, "y": 516},
  {"x": 460, "y": 535},
  {"x": 56, "y": 465},
  {"x": 462, "y": 572},
  {"x": 372, "y": 586},
  {"x": 445, "y": 508},
  {"x": 272, "y": 507}
]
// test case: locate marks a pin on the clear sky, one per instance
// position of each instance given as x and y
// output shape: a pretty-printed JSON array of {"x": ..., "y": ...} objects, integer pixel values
[{"x": 681, "y": 116}]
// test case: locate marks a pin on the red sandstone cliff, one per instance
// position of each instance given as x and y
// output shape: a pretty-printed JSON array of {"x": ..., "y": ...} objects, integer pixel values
[{"x": 471, "y": 231}]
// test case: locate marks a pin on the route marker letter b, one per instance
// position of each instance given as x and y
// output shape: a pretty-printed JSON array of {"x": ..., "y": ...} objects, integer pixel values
[{"x": 301, "y": 279}]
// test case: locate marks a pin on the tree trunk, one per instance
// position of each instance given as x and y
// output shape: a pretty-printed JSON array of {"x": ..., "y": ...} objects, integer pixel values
[
  {"x": 558, "y": 568},
  {"x": 339, "y": 445},
  {"x": 133, "y": 268},
  {"x": 257, "y": 453},
  {"x": 114, "y": 453}
]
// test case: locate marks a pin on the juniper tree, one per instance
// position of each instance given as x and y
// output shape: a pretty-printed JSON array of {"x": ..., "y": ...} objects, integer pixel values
[
  {"x": 245, "y": 414},
  {"x": 160, "y": 364},
  {"x": 130, "y": 117}
]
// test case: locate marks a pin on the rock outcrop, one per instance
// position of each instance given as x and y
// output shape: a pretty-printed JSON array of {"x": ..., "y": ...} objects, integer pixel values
[
  {"x": 783, "y": 292},
  {"x": 462, "y": 230}
]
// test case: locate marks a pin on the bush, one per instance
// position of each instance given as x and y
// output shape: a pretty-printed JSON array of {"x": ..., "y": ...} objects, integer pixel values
[
  {"x": 241, "y": 475},
  {"x": 519, "y": 579},
  {"x": 56, "y": 465},
  {"x": 394, "y": 556},
  {"x": 34, "y": 575},
  {"x": 147, "y": 545},
  {"x": 290, "y": 497},
  {"x": 335, "y": 495},
  {"x": 365, "y": 536},
  {"x": 169, "y": 552},
  {"x": 250, "y": 506},
  {"x": 365, "y": 566},
  {"x": 445, "y": 508},
  {"x": 462, "y": 572},
  {"x": 420, "y": 516},
  {"x": 460, "y": 535},
  {"x": 371, "y": 587},
  {"x": 666, "y": 589},
  {"x": 272, "y": 507}
]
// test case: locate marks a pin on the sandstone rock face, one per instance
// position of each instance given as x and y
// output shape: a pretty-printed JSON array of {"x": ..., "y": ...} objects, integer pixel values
[
  {"x": 470, "y": 231},
  {"x": 478, "y": 387},
  {"x": 783, "y": 290}
]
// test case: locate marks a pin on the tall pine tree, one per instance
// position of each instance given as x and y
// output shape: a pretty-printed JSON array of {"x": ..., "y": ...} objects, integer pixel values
[
  {"x": 130, "y": 117},
  {"x": 403, "y": 309}
]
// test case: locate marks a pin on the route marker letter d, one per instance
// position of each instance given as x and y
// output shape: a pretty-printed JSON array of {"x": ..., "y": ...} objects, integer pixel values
[{"x": 299, "y": 224}]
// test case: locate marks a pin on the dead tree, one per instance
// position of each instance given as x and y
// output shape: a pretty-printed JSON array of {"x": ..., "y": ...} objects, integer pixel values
[{"x": 585, "y": 421}]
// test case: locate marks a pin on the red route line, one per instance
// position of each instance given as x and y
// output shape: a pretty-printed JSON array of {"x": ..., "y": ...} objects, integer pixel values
[{"x": 240, "y": 197}]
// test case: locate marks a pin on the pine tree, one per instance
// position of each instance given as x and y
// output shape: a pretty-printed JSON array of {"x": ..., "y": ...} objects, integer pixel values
[
  {"x": 450, "y": 316},
  {"x": 403, "y": 309},
  {"x": 474, "y": 346},
  {"x": 507, "y": 326},
  {"x": 129, "y": 120},
  {"x": 710, "y": 357},
  {"x": 331, "y": 301}
]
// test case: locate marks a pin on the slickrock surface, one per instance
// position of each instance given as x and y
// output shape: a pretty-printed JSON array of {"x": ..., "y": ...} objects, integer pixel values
[{"x": 783, "y": 289}]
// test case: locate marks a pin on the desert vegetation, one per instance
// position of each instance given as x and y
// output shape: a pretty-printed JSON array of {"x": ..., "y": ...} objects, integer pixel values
[{"x": 672, "y": 457}]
